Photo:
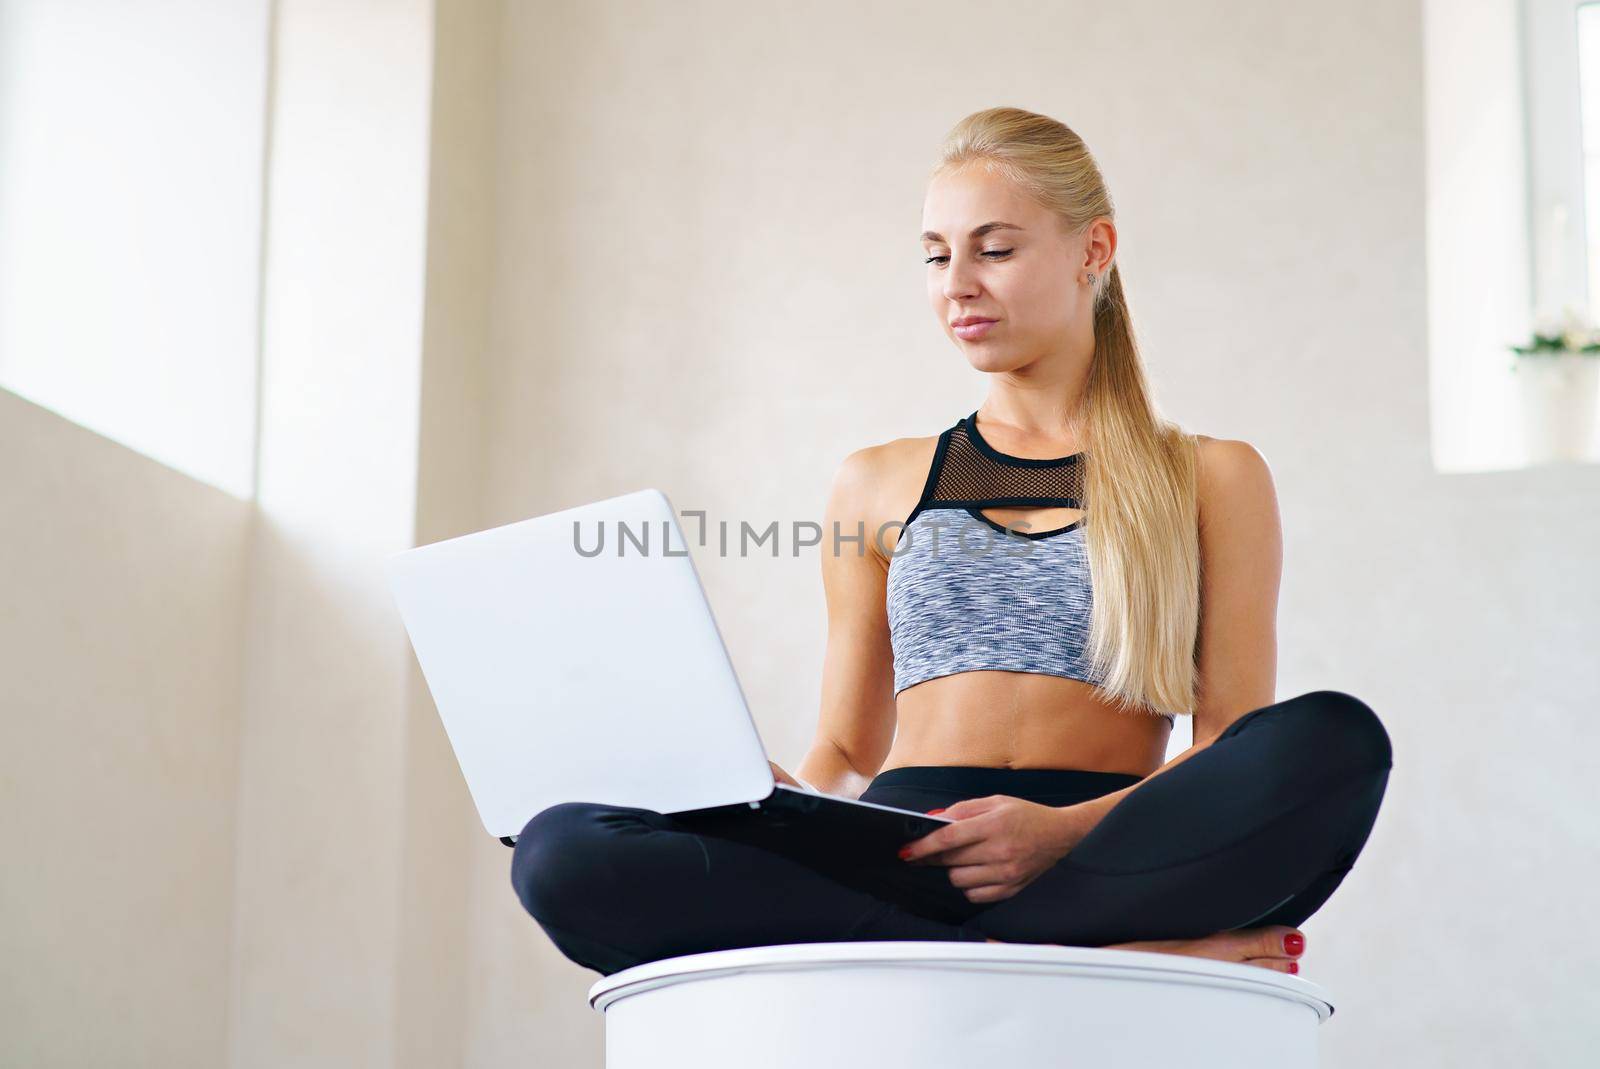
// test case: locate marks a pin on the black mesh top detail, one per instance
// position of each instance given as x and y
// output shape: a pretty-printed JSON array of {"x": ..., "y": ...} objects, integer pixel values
[{"x": 968, "y": 472}]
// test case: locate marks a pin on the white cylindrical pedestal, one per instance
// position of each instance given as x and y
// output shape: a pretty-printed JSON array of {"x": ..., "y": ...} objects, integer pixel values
[{"x": 945, "y": 1005}]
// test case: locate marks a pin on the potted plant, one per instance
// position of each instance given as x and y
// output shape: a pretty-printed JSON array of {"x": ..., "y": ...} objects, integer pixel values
[{"x": 1559, "y": 376}]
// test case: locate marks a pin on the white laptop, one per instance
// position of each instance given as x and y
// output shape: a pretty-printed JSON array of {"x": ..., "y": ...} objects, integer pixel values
[{"x": 574, "y": 657}]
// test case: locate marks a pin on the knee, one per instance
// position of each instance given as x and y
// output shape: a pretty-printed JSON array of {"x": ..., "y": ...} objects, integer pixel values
[
  {"x": 554, "y": 854},
  {"x": 1344, "y": 730}
]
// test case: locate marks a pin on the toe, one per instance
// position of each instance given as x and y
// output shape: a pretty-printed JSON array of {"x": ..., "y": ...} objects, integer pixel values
[
  {"x": 1283, "y": 965},
  {"x": 1273, "y": 941}
]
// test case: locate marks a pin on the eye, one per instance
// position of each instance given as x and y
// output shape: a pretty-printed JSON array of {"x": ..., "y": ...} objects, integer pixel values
[{"x": 997, "y": 254}]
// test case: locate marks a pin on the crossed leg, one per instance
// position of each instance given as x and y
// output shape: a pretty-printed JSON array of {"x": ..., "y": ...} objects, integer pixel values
[
  {"x": 616, "y": 886},
  {"x": 1256, "y": 831}
]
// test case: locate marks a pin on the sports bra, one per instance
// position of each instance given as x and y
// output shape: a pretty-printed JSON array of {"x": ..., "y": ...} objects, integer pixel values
[{"x": 965, "y": 594}]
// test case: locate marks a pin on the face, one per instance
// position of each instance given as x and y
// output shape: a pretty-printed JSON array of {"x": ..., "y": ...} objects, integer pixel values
[{"x": 994, "y": 253}]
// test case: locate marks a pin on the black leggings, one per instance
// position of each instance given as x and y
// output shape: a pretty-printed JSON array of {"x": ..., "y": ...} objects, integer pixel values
[{"x": 1258, "y": 828}]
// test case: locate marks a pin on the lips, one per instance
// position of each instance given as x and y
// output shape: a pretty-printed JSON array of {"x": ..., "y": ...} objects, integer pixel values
[{"x": 969, "y": 321}]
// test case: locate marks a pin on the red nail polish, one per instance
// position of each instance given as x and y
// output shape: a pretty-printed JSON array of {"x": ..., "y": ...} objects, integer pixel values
[
  {"x": 941, "y": 809},
  {"x": 1294, "y": 966},
  {"x": 1294, "y": 943},
  {"x": 905, "y": 853}
]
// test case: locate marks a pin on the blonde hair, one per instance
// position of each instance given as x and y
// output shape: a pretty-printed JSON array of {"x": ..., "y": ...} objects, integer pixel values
[{"x": 1141, "y": 521}]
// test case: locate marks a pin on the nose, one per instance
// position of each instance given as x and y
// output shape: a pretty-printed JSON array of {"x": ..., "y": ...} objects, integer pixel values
[{"x": 960, "y": 282}]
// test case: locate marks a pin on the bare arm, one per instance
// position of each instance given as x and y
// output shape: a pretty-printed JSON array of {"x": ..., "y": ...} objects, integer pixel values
[
  {"x": 1241, "y": 563},
  {"x": 856, "y": 725}
]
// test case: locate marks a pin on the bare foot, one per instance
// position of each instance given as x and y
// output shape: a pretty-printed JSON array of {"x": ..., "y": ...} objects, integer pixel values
[{"x": 1248, "y": 946}]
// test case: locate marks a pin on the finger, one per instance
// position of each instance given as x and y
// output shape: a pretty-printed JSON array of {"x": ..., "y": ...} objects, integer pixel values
[
  {"x": 985, "y": 888},
  {"x": 976, "y": 848},
  {"x": 991, "y": 893},
  {"x": 975, "y": 877},
  {"x": 978, "y": 852},
  {"x": 969, "y": 807},
  {"x": 948, "y": 837},
  {"x": 972, "y": 807}
]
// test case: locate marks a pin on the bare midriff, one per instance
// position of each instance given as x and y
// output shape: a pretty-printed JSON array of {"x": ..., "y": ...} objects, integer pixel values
[
  {"x": 996, "y": 719},
  {"x": 999, "y": 719}
]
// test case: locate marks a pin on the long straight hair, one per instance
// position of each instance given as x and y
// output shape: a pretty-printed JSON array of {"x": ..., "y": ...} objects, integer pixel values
[{"x": 1141, "y": 518}]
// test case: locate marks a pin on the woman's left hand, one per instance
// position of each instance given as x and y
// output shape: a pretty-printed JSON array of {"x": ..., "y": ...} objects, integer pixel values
[{"x": 997, "y": 845}]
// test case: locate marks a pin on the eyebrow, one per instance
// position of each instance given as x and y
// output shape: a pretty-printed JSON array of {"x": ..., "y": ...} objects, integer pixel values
[{"x": 977, "y": 231}]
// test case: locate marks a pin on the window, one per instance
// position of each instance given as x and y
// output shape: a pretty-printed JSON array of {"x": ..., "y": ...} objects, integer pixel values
[
  {"x": 131, "y": 145},
  {"x": 1561, "y": 47}
]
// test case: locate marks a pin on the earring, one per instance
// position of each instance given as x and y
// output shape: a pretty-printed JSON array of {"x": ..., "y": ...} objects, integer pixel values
[{"x": 1091, "y": 278}]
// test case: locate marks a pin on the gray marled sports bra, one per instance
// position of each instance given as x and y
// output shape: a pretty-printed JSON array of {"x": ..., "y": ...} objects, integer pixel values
[{"x": 965, "y": 593}]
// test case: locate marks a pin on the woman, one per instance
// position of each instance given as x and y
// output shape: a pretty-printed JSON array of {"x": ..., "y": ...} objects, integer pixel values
[{"x": 1055, "y": 576}]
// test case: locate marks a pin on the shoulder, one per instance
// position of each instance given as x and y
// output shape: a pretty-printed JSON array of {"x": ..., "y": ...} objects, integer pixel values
[
  {"x": 874, "y": 469},
  {"x": 882, "y": 482},
  {"x": 1232, "y": 480}
]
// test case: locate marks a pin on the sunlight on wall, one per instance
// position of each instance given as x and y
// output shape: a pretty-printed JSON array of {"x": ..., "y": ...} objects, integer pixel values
[{"x": 131, "y": 141}]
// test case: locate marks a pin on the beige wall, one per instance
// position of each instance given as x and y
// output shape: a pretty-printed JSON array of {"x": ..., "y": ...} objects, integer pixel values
[
  {"x": 323, "y": 920},
  {"x": 121, "y": 649},
  {"x": 439, "y": 984}
]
